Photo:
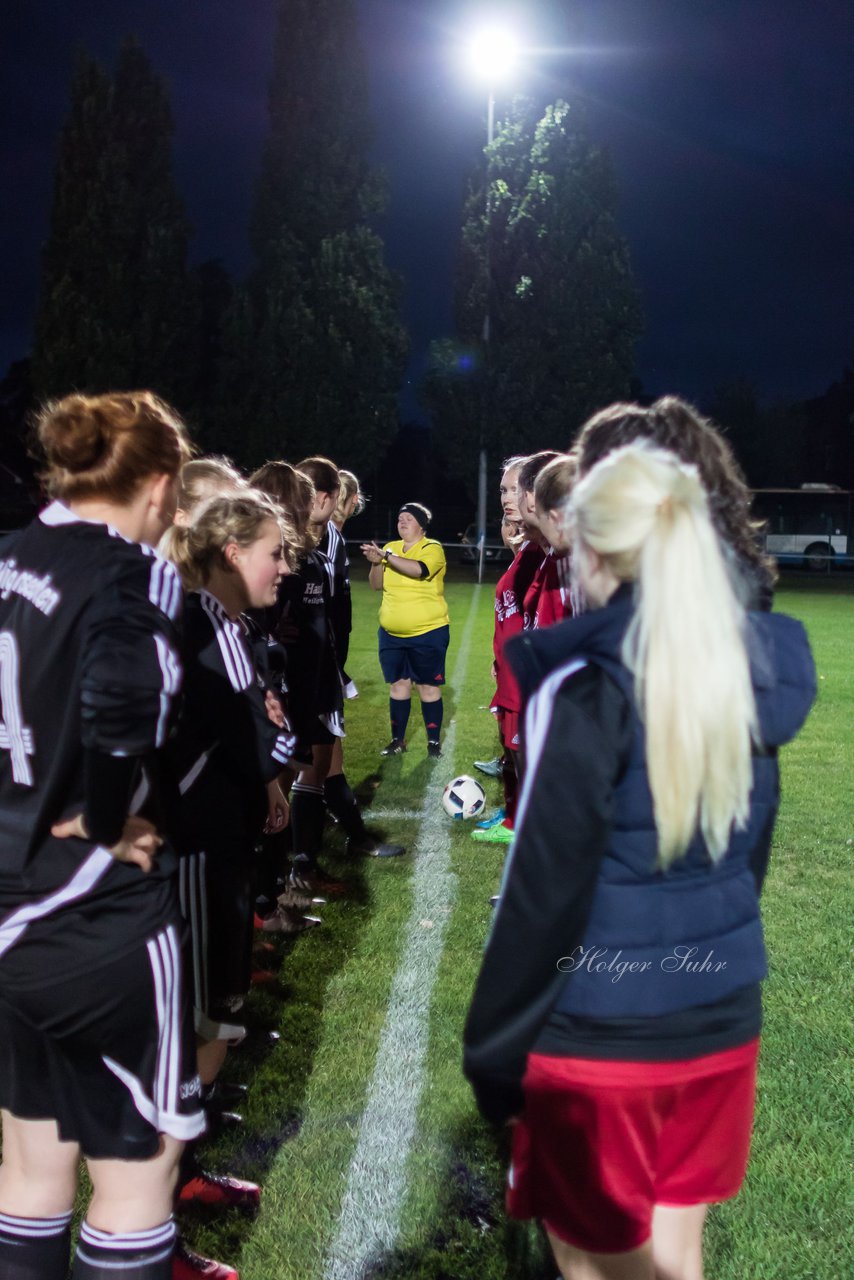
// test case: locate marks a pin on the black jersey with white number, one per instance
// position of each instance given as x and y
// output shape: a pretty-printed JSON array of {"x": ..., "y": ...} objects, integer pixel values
[
  {"x": 226, "y": 747},
  {"x": 89, "y": 669}
]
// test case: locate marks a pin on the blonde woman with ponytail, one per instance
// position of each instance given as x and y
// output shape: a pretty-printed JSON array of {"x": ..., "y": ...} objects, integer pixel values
[{"x": 617, "y": 1013}]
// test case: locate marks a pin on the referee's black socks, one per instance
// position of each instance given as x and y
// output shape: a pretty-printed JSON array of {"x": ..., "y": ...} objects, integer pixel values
[
  {"x": 133, "y": 1255},
  {"x": 34, "y": 1248},
  {"x": 433, "y": 713},
  {"x": 398, "y": 710}
]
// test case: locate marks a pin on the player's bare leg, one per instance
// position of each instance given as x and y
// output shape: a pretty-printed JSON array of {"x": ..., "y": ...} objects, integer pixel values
[
  {"x": 38, "y": 1176},
  {"x": 578, "y": 1264}
]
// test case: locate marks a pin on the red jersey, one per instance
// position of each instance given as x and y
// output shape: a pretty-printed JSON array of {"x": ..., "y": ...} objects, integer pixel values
[
  {"x": 547, "y": 599},
  {"x": 510, "y": 594}
]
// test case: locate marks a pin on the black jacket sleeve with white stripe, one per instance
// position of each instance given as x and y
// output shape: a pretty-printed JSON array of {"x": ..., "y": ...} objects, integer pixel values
[
  {"x": 224, "y": 713},
  {"x": 576, "y": 738}
]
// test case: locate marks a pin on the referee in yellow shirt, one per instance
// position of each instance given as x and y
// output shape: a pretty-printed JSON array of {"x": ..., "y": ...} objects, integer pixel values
[{"x": 413, "y": 631}]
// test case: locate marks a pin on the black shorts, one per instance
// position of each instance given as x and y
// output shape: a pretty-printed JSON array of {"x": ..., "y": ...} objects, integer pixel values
[
  {"x": 312, "y": 731},
  {"x": 418, "y": 658},
  {"x": 110, "y": 1054},
  {"x": 217, "y": 901}
]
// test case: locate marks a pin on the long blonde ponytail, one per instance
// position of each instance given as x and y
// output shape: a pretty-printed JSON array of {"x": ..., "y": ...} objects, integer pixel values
[{"x": 645, "y": 514}]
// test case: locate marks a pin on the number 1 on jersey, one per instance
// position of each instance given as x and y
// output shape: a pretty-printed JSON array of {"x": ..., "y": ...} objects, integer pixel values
[{"x": 14, "y": 736}]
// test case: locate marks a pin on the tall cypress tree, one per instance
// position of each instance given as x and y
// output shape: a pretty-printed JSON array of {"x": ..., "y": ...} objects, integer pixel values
[
  {"x": 115, "y": 307},
  {"x": 564, "y": 308},
  {"x": 316, "y": 348}
]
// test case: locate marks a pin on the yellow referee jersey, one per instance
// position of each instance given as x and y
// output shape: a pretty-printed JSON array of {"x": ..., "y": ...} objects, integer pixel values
[{"x": 411, "y": 606}]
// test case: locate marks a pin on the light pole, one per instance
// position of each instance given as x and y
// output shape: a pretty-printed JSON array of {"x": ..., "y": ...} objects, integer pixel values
[{"x": 492, "y": 56}]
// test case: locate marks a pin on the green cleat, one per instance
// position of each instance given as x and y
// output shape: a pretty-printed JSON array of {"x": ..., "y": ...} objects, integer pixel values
[{"x": 493, "y": 835}]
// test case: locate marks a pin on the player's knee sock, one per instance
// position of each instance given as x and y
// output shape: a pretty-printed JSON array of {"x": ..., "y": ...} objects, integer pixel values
[
  {"x": 133, "y": 1255},
  {"x": 307, "y": 814},
  {"x": 34, "y": 1248},
  {"x": 399, "y": 709},
  {"x": 343, "y": 805},
  {"x": 510, "y": 783},
  {"x": 432, "y": 713}
]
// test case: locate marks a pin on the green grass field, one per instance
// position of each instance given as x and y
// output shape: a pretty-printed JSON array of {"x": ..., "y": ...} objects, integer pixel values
[{"x": 425, "y": 1202}]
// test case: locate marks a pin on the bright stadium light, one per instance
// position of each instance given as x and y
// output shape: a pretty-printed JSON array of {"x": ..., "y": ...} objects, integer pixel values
[{"x": 493, "y": 53}]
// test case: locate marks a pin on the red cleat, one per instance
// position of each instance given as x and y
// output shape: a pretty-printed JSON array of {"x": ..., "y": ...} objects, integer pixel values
[
  {"x": 187, "y": 1265},
  {"x": 263, "y": 977},
  {"x": 221, "y": 1190}
]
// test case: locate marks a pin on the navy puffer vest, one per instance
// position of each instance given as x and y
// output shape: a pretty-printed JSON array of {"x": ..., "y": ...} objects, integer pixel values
[{"x": 658, "y": 942}]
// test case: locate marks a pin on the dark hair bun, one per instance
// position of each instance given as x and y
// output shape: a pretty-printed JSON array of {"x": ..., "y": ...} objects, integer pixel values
[{"x": 75, "y": 434}]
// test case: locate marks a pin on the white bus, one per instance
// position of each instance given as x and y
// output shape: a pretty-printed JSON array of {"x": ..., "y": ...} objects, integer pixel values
[{"x": 810, "y": 525}]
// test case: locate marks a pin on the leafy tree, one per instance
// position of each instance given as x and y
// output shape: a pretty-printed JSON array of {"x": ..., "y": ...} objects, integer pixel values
[
  {"x": 116, "y": 309},
  {"x": 315, "y": 350},
  {"x": 540, "y": 243},
  {"x": 314, "y": 346}
]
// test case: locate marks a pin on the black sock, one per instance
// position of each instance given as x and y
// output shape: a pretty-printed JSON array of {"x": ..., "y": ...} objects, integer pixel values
[
  {"x": 133, "y": 1255},
  {"x": 271, "y": 864},
  {"x": 399, "y": 711},
  {"x": 341, "y": 802},
  {"x": 307, "y": 816},
  {"x": 34, "y": 1248},
  {"x": 432, "y": 713}
]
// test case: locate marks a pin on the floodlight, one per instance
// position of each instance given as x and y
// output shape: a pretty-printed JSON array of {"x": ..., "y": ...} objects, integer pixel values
[{"x": 493, "y": 53}]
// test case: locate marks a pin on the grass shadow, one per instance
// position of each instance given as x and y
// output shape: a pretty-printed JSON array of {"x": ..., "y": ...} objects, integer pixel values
[
  {"x": 278, "y": 1071},
  {"x": 473, "y": 1238}
]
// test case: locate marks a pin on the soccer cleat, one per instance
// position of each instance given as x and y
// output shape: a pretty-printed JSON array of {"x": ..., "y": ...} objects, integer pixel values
[
  {"x": 301, "y": 901},
  {"x": 396, "y": 747},
  {"x": 289, "y": 920},
  {"x": 307, "y": 877},
  {"x": 497, "y": 817},
  {"x": 368, "y": 847},
  {"x": 493, "y": 835},
  {"x": 220, "y": 1190},
  {"x": 434, "y": 750},
  {"x": 263, "y": 978},
  {"x": 220, "y": 1119},
  {"x": 490, "y": 767},
  {"x": 188, "y": 1265},
  {"x": 228, "y": 1091}
]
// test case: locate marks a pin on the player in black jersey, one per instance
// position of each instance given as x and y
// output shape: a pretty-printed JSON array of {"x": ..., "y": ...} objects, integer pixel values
[
  {"x": 337, "y": 792},
  {"x": 96, "y": 1052},
  {"x": 226, "y": 759},
  {"x": 300, "y": 623},
  {"x": 226, "y": 752}
]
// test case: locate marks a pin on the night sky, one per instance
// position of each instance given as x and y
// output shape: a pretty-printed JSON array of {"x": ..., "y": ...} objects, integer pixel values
[{"x": 730, "y": 124}]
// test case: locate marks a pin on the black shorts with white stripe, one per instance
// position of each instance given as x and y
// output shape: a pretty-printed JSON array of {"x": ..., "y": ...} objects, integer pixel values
[
  {"x": 109, "y": 1056},
  {"x": 216, "y": 896}
]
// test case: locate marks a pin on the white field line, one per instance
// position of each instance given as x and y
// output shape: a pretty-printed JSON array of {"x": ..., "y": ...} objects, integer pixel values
[
  {"x": 376, "y": 1183},
  {"x": 392, "y": 815}
]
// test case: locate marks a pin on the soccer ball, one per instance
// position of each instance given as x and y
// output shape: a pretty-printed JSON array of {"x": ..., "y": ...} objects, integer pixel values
[{"x": 463, "y": 798}]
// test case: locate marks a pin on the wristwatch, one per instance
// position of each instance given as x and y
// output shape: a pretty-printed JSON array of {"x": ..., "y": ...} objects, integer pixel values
[{"x": 387, "y": 554}]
